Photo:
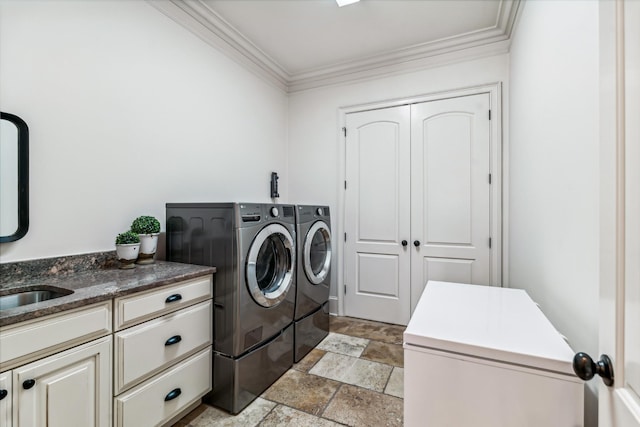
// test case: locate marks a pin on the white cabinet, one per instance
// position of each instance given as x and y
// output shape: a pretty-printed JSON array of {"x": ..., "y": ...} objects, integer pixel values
[
  {"x": 6, "y": 397},
  {"x": 480, "y": 356},
  {"x": 59, "y": 370},
  {"x": 57, "y": 373},
  {"x": 71, "y": 388},
  {"x": 162, "y": 352}
]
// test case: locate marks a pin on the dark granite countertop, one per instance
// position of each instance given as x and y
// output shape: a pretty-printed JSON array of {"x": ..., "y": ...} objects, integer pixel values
[{"x": 91, "y": 286}]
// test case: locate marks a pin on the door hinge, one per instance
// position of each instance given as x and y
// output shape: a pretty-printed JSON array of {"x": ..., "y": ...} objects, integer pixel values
[
  {"x": 344, "y": 131},
  {"x": 345, "y": 185},
  {"x": 345, "y": 237},
  {"x": 345, "y": 288},
  {"x": 489, "y": 117},
  {"x": 489, "y": 178},
  {"x": 489, "y": 242}
]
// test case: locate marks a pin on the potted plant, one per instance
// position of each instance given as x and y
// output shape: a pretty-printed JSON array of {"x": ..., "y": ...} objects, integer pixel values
[
  {"x": 148, "y": 229},
  {"x": 127, "y": 249}
]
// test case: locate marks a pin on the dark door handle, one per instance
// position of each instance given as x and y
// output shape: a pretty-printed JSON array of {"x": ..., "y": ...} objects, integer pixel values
[
  {"x": 404, "y": 243},
  {"x": 173, "y": 394},
  {"x": 3, "y": 394},
  {"x": 416, "y": 243},
  {"x": 173, "y": 340},
  {"x": 173, "y": 298},
  {"x": 586, "y": 368},
  {"x": 27, "y": 384}
]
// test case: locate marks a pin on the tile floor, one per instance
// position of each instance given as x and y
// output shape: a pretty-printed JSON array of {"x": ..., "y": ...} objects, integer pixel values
[{"x": 354, "y": 378}]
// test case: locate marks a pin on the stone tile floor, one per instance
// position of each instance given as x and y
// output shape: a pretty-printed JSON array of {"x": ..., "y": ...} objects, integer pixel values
[{"x": 354, "y": 378}]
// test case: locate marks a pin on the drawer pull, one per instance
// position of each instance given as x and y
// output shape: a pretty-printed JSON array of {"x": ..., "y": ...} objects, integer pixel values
[
  {"x": 173, "y": 394},
  {"x": 27, "y": 384},
  {"x": 3, "y": 394},
  {"x": 173, "y": 340},
  {"x": 173, "y": 298}
]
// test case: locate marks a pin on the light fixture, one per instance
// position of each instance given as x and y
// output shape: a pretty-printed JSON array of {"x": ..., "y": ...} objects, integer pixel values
[{"x": 346, "y": 2}]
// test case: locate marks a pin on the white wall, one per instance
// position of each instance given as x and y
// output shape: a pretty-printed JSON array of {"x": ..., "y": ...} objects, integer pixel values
[
  {"x": 316, "y": 147},
  {"x": 127, "y": 110},
  {"x": 554, "y": 168}
]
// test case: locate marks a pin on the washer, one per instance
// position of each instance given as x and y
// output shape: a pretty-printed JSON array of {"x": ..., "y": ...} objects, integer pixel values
[
  {"x": 311, "y": 318},
  {"x": 253, "y": 247}
]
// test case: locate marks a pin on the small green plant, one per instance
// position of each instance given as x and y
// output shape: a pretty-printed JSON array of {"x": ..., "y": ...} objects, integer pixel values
[
  {"x": 127, "y": 237},
  {"x": 145, "y": 225}
]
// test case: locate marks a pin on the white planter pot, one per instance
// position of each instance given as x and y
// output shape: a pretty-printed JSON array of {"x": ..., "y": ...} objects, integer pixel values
[
  {"x": 127, "y": 254},
  {"x": 148, "y": 247}
]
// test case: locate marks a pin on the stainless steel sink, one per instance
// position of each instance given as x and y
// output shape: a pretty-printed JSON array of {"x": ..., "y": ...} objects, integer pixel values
[{"x": 31, "y": 296}]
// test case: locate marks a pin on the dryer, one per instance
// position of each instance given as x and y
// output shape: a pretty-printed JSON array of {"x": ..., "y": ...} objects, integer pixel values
[
  {"x": 311, "y": 318},
  {"x": 253, "y": 247}
]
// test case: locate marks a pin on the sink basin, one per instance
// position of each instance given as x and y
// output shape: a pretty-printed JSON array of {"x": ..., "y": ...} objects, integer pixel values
[{"x": 31, "y": 296}]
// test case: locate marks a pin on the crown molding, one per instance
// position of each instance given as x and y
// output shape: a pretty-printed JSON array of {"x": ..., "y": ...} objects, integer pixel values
[{"x": 199, "y": 18}]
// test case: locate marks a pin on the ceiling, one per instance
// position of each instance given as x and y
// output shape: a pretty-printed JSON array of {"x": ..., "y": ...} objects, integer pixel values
[{"x": 301, "y": 44}]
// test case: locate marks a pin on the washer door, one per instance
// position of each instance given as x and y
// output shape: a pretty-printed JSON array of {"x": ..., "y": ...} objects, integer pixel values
[
  {"x": 270, "y": 265},
  {"x": 316, "y": 255}
]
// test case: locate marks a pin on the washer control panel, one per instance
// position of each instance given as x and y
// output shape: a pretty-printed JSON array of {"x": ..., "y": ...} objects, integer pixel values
[{"x": 274, "y": 212}]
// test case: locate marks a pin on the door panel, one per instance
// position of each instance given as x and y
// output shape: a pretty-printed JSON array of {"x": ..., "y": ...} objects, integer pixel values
[
  {"x": 447, "y": 269},
  {"x": 378, "y": 275},
  {"x": 446, "y": 176},
  {"x": 377, "y": 215},
  {"x": 450, "y": 191}
]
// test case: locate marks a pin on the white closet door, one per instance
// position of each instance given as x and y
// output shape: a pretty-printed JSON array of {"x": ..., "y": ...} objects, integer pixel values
[
  {"x": 377, "y": 215},
  {"x": 450, "y": 192}
]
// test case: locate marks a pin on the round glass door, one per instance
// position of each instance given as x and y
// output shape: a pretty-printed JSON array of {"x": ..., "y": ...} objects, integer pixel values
[
  {"x": 317, "y": 252},
  {"x": 270, "y": 265}
]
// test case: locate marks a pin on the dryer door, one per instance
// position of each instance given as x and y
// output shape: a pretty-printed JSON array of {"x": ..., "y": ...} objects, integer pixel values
[
  {"x": 270, "y": 265},
  {"x": 316, "y": 255}
]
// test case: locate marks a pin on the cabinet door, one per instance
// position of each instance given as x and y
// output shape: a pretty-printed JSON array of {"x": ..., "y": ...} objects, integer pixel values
[
  {"x": 71, "y": 388},
  {"x": 6, "y": 397}
]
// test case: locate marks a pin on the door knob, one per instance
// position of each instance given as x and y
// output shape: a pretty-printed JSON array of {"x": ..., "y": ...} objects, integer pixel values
[
  {"x": 416, "y": 243},
  {"x": 586, "y": 368},
  {"x": 404, "y": 243}
]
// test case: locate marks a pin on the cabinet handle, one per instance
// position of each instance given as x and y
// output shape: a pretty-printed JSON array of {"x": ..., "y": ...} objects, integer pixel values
[
  {"x": 3, "y": 394},
  {"x": 173, "y": 340},
  {"x": 404, "y": 243},
  {"x": 173, "y": 298},
  {"x": 173, "y": 394},
  {"x": 416, "y": 243},
  {"x": 27, "y": 384}
]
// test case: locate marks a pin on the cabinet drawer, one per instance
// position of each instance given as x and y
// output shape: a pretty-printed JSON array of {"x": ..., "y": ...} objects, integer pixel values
[
  {"x": 31, "y": 340},
  {"x": 147, "y": 404},
  {"x": 142, "y": 306},
  {"x": 142, "y": 350}
]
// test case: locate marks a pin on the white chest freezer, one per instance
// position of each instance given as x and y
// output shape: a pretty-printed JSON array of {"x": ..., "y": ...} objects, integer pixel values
[{"x": 486, "y": 356}]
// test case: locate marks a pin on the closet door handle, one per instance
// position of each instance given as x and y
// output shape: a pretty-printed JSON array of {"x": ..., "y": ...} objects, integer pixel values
[
  {"x": 416, "y": 243},
  {"x": 586, "y": 368},
  {"x": 404, "y": 243}
]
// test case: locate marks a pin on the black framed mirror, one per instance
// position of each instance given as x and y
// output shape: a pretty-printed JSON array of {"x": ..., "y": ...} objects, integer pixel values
[{"x": 14, "y": 177}]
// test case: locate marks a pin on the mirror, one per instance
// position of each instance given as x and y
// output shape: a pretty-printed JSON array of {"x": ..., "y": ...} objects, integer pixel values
[{"x": 14, "y": 177}]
